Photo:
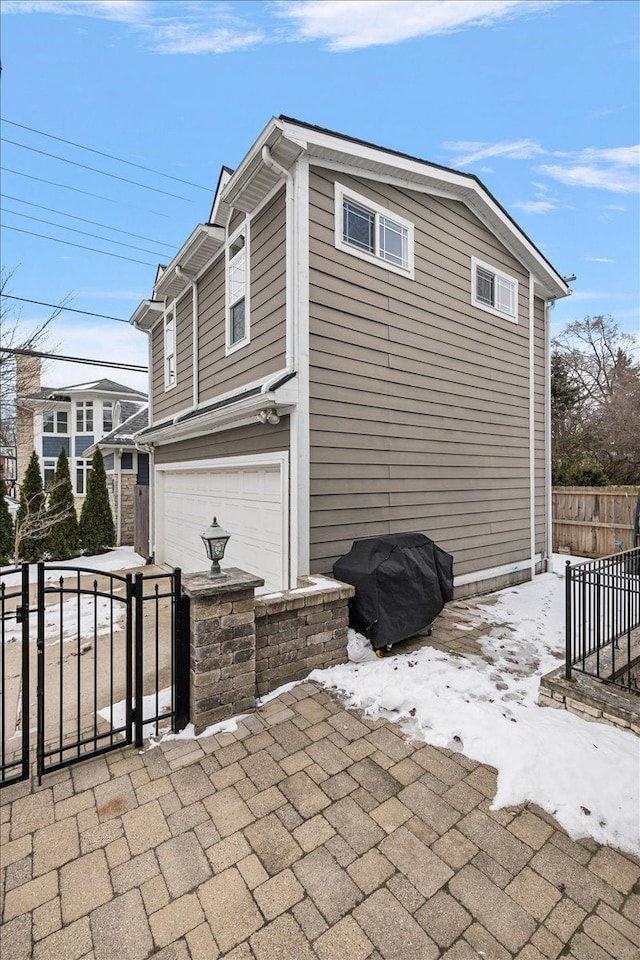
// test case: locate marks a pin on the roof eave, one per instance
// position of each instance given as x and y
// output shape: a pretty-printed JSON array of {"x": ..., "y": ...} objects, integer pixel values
[{"x": 203, "y": 243}]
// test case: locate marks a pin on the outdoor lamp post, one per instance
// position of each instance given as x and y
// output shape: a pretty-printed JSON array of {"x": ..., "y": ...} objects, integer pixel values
[{"x": 215, "y": 542}]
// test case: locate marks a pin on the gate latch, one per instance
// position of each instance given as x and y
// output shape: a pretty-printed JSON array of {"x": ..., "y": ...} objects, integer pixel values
[{"x": 19, "y": 614}]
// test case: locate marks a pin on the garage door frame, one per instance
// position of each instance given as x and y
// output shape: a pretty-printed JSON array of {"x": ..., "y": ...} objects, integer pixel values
[{"x": 278, "y": 459}]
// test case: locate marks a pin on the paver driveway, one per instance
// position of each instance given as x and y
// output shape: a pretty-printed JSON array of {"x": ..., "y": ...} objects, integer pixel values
[{"x": 309, "y": 833}]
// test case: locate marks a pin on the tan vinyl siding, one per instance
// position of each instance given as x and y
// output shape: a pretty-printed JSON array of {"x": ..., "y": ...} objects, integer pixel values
[
  {"x": 253, "y": 438},
  {"x": 169, "y": 402},
  {"x": 419, "y": 401},
  {"x": 265, "y": 354}
]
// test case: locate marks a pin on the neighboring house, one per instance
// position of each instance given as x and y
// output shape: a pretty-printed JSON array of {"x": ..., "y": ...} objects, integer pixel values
[
  {"x": 72, "y": 417},
  {"x": 127, "y": 468},
  {"x": 355, "y": 343}
]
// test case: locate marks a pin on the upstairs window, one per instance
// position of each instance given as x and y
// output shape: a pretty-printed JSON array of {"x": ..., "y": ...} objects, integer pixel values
[
  {"x": 49, "y": 470},
  {"x": 55, "y": 421},
  {"x": 237, "y": 290},
  {"x": 373, "y": 233},
  {"x": 84, "y": 416},
  {"x": 107, "y": 416},
  {"x": 494, "y": 291},
  {"x": 170, "y": 347}
]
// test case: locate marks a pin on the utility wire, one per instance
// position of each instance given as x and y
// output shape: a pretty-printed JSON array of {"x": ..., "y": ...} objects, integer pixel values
[
  {"x": 86, "y": 233},
  {"x": 87, "y": 193},
  {"x": 105, "y": 253},
  {"x": 102, "y": 153},
  {"x": 84, "y": 166},
  {"x": 96, "y": 223},
  {"x": 58, "y": 306},
  {"x": 93, "y": 363}
]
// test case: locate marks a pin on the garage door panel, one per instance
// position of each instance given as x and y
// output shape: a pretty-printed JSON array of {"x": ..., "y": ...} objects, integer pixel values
[{"x": 248, "y": 501}]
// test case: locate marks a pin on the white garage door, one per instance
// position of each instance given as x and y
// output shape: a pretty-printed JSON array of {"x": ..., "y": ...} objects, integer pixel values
[{"x": 250, "y": 502}]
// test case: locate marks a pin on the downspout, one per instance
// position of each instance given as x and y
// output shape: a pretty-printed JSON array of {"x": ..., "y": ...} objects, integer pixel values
[
  {"x": 548, "y": 307},
  {"x": 196, "y": 308},
  {"x": 119, "y": 475},
  {"x": 149, "y": 448},
  {"x": 290, "y": 278},
  {"x": 532, "y": 431}
]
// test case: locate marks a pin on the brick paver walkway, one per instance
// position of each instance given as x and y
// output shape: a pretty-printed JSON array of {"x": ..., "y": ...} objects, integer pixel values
[{"x": 309, "y": 833}]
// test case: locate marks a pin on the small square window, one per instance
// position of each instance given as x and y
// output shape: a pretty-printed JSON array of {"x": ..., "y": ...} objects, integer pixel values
[
  {"x": 494, "y": 291},
  {"x": 358, "y": 227},
  {"x": 48, "y": 422}
]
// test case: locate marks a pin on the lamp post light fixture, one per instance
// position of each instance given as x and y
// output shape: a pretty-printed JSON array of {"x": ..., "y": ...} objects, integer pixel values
[{"x": 215, "y": 541}]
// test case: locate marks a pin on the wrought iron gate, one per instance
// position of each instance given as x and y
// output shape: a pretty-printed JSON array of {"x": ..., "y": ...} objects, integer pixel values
[{"x": 112, "y": 664}]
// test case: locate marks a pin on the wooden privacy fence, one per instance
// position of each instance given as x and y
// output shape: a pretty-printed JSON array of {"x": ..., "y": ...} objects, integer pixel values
[{"x": 593, "y": 521}]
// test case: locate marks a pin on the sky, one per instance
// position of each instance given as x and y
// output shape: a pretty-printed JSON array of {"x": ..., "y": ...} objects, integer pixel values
[{"x": 539, "y": 99}]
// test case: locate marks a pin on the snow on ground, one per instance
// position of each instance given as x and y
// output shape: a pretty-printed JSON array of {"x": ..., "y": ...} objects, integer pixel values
[
  {"x": 116, "y": 714},
  {"x": 587, "y": 775},
  {"x": 122, "y": 558},
  {"x": 67, "y": 613}
]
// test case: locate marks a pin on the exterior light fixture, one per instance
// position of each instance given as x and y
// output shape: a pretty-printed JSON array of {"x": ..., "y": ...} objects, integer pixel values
[
  {"x": 269, "y": 415},
  {"x": 215, "y": 541}
]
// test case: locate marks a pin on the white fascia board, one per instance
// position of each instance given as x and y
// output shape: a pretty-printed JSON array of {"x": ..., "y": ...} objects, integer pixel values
[
  {"x": 244, "y": 171},
  {"x": 219, "y": 211},
  {"x": 145, "y": 314},
  {"x": 189, "y": 248},
  {"x": 465, "y": 186},
  {"x": 238, "y": 414}
]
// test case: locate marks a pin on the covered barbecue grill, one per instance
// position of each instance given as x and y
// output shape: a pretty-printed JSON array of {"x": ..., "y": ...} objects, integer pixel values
[{"x": 402, "y": 582}]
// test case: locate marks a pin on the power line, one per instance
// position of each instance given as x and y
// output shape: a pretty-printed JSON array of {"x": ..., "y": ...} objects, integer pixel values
[
  {"x": 84, "y": 166},
  {"x": 96, "y": 223},
  {"x": 85, "y": 233},
  {"x": 105, "y": 253},
  {"x": 92, "y": 363},
  {"x": 58, "y": 306},
  {"x": 102, "y": 153},
  {"x": 87, "y": 193}
]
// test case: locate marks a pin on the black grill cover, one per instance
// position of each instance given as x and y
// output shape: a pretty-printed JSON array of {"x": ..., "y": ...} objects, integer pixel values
[{"x": 402, "y": 582}]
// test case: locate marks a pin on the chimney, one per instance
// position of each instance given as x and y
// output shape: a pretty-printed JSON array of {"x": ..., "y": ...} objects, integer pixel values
[{"x": 27, "y": 375}]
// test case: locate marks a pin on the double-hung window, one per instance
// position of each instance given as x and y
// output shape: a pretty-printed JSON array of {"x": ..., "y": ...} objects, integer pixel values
[
  {"x": 82, "y": 474},
  {"x": 238, "y": 289},
  {"x": 494, "y": 291},
  {"x": 84, "y": 416},
  {"x": 372, "y": 232},
  {"x": 107, "y": 416},
  {"x": 170, "y": 377},
  {"x": 55, "y": 421},
  {"x": 49, "y": 470}
]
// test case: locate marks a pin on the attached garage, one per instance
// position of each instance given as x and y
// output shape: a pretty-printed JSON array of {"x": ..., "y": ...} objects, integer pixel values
[{"x": 250, "y": 498}]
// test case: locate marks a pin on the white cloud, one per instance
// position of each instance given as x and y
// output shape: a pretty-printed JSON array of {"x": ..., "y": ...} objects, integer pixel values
[
  {"x": 536, "y": 206},
  {"x": 356, "y": 24},
  {"x": 71, "y": 339},
  {"x": 176, "y": 27},
  {"x": 599, "y": 260},
  {"x": 467, "y": 152},
  {"x": 617, "y": 178}
]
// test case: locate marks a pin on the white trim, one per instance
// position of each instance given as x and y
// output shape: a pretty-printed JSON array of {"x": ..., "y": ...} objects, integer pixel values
[
  {"x": 300, "y": 418},
  {"x": 480, "y": 575},
  {"x": 497, "y": 272},
  {"x": 343, "y": 193},
  {"x": 229, "y": 348},
  {"x": 532, "y": 429},
  {"x": 548, "y": 491},
  {"x": 170, "y": 311},
  {"x": 279, "y": 458},
  {"x": 402, "y": 183}
]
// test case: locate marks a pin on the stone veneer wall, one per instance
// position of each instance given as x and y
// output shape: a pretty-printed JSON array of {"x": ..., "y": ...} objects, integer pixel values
[
  {"x": 127, "y": 506},
  {"x": 299, "y": 630}
]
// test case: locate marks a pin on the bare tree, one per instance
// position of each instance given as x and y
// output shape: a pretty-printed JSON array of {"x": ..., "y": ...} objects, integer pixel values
[
  {"x": 14, "y": 336},
  {"x": 36, "y": 523}
]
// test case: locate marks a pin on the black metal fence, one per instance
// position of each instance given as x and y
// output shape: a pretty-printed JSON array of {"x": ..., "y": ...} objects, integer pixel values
[
  {"x": 111, "y": 664},
  {"x": 603, "y": 619}
]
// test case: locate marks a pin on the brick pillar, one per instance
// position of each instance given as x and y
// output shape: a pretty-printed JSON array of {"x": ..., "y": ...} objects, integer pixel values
[{"x": 222, "y": 645}]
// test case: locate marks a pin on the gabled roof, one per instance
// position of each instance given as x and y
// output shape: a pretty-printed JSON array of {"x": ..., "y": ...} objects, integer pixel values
[
  {"x": 93, "y": 386},
  {"x": 122, "y": 436}
]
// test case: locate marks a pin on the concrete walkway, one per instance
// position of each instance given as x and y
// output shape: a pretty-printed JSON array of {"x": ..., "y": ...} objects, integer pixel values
[{"x": 309, "y": 833}]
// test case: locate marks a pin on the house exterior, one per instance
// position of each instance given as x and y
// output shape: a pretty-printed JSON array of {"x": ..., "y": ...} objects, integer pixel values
[
  {"x": 355, "y": 343},
  {"x": 73, "y": 417}
]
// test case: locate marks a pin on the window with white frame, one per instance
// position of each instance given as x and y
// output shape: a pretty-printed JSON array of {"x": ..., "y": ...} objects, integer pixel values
[
  {"x": 170, "y": 377},
  {"x": 55, "y": 421},
  {"x": 84, "y": 416},
  {"x": 493, "y": 290},
  {"x": 107, "y": 416},
  {"x": 372, "y": 232},
  {"x": 237, "y": 290},
  {"x": 49, "y": 470},
  {"x": 82, "y": 474}
]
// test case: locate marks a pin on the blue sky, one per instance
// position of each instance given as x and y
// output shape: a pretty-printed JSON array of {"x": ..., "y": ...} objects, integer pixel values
[{"x": 539, "y": 99}]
